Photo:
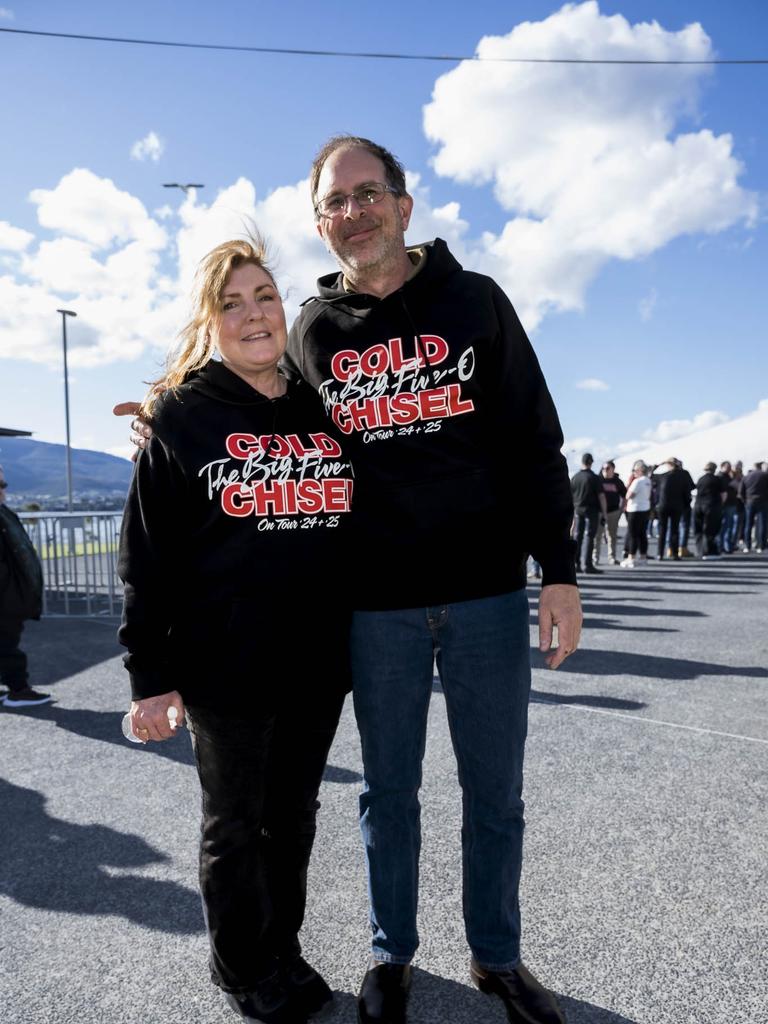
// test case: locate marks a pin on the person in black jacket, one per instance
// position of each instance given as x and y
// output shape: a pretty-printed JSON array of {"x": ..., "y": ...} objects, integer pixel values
[
  {"x": 674, "y": 489},
  {"x": 708, "y": 511},
  {"x": 21, "y": 593},
  {"x": 235, "y": 615},
  {"x": 428, "y": 372},
  {"x": 754, "y": 489},
  {"x": 589, "y": 506}
]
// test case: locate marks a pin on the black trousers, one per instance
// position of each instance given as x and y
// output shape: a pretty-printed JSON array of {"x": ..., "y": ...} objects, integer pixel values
[
  {"x": 588, "y": 521},
  {"x": 706, "y": 525},
  {"x": 260, "y": 774},
  {"x": 637, "y": 523},
  {"x": 13, "y": 661},
  {"x": 669, "y": 531}
]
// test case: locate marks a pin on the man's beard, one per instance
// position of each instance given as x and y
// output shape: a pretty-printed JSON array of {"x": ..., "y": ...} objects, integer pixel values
[{"x": 386, "y": 253}]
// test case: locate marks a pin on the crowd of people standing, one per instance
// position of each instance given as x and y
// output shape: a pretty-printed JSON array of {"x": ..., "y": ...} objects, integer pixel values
[{"x": 727, "y": 508}]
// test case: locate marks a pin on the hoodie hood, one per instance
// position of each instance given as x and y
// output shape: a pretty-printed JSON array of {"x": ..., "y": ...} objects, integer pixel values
[{"x": 216, "y": 381}]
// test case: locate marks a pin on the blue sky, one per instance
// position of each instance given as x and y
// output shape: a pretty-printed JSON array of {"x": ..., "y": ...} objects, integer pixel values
[{"x": 623, "y": 209}]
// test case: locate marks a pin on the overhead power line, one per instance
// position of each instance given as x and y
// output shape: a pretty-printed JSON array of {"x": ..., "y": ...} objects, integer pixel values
[{"x": 369, "y": 56}]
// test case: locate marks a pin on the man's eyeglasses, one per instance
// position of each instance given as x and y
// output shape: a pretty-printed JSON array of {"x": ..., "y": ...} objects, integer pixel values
[{"x": 334, "y": 205}]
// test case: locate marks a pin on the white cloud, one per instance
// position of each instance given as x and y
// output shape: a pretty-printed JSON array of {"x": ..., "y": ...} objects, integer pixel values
[
  {"x": 6, "y": 14},
  {"x": 14, "y": 239},
  {"x": 585, "y": 158},
  {"x": 709, "y": 436},
  {"x": 151, "y": 147},
  {"x": 114, "y": 264},
  {"x": 647, "y": 305},
  {"x": 669, "y": 430},
  {"x": 85, "y": 206},
  {"x": 592, "y": 384}
]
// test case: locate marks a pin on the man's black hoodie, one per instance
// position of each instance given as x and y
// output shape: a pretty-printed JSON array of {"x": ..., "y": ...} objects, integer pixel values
[
  {"x": 453, "y": 435},
  {"x": 232, "y": 542}
]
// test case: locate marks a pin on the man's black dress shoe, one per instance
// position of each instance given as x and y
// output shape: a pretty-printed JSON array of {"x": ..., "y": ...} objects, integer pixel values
[
  {"x": 310, "y": 991},
  {"x": 525, "y": 1000},
  {"x": 269, "y": 1003},
  {"x": 384, "y": 994}
]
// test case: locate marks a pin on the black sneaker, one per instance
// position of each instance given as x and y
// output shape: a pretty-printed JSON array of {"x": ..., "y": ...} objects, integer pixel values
[
  {"x": 269, "y": 1003},
  {"x": 309, "y": 989},
  {"x": 26, "y": 698}
]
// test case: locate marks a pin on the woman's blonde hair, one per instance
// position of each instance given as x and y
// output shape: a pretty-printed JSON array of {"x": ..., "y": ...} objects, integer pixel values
[{"x": 196, "y": 344}]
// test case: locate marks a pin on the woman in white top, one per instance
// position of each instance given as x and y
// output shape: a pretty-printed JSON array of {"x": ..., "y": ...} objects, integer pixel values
[{"x": 638, "y": 509}]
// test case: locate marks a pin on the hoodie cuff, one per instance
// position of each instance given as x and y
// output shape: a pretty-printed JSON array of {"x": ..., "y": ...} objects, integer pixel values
[
  {"x": 559, "y": 566},
  {"x": 149, "y": 682}
]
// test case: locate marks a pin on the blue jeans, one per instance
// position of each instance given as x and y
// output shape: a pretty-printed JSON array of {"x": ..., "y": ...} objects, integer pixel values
[
  {"x": 727, "y": 538},
  {"x": 757, "y": 515},
  {"x": 482, "y": 649}
]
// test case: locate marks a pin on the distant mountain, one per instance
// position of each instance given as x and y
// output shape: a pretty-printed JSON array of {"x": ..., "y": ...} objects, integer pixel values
[{"x": 39, "y": 468}]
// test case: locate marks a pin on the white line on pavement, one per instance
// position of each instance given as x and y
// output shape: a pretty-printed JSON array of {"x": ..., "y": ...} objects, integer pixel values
[{"x": 651, "y": 721}]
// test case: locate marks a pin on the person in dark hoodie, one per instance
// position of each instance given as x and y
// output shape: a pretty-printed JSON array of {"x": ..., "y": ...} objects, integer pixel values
[
  {"x": 21, "y": 598},
  {"x": 232, "y": 537},
  {"x": 426, "y": 371}
]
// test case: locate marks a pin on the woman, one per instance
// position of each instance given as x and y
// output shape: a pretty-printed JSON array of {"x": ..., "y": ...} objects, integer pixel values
[
  {"x": 638, "y": 507},
  {"x": 234, "y": 616}
]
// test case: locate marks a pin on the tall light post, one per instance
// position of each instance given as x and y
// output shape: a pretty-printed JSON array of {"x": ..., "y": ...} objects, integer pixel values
[{"x": 64, "y": 314}]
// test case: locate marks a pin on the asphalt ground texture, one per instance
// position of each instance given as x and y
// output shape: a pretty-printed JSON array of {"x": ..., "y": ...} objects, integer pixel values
[{"x": 644, "y": 882}]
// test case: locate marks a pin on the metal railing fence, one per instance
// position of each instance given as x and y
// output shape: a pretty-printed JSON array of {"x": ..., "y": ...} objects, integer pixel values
[{"x": 78, "y": 553}]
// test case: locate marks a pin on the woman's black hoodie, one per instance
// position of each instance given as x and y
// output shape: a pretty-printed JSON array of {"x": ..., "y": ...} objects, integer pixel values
[
  {"x": 233, "y": 534},
  {"x": 452, "y": 431}
]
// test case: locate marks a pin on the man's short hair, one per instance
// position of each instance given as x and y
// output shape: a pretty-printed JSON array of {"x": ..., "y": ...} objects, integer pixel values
[
  {"x": 393, "y": 169},
  {"x": 586, "y": 459},
  {"x": 710, "y": 467}
]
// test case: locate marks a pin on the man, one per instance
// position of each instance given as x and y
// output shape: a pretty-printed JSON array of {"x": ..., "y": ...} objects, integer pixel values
[
  {"x": 754, "y": 489},
  {"x": 21, "y": 594},
  {"x": 685, "y": 521},
  {"x": 675, "y": 487},
  {"x": 726, "y": 541},
  {"x": 708, "y": 512},
  {"x": 615, "y": 492},
  {"x": 426, "y": 369},
  {"x": 588, "y": 506}
]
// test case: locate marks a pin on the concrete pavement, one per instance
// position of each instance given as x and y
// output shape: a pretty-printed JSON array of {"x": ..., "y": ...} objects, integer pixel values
[{"x": 644, "y": 898}]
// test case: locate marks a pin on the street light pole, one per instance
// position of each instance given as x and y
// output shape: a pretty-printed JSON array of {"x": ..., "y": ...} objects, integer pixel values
[
  {"x": 190, "y": 186},
  {"x": 64, "y": 314}
]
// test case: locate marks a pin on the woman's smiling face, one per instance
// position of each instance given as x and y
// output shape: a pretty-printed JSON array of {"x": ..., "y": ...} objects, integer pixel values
[{"x": 250, "y": 333}]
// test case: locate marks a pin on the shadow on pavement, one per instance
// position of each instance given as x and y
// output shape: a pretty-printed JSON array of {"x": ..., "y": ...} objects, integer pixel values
[
  {"x": 57, "y": 865},
  {"x": 630, "y": 609},
  {"x": 105, "y": 727},
  {"x": 436, "y": 999},
  {"x": 60, "y": 648},
  {"x": 590, "y": 700},
  {"x": 653, "y": 666}
]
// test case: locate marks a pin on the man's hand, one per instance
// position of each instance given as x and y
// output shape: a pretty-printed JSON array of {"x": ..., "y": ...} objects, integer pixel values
[
  {"x": 559, "y": 605},
  {"x": 140, "y": 431},
  {"x": 149, "y": 717}
]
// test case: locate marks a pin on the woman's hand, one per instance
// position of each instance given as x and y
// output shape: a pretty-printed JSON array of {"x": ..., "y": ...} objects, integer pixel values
[{"x": 149, "y": 717}]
